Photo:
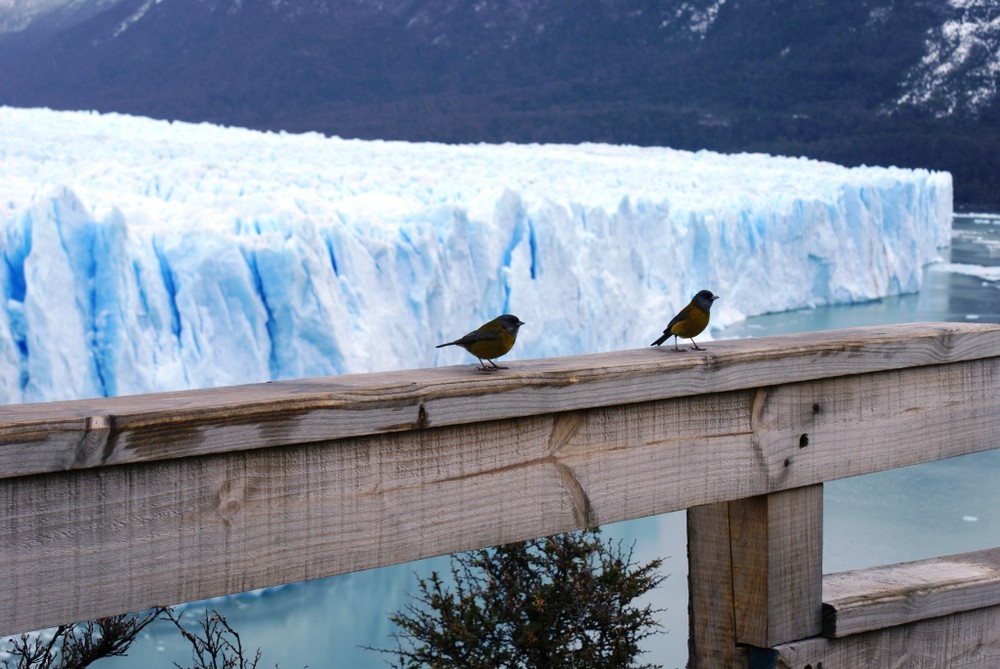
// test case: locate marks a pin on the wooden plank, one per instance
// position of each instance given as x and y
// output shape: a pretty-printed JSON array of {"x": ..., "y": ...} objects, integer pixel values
[
  {"x": 182, "y": 529},
  {"x": 751, "y": 443},
  {"x": 185, "y": 529},
  {"x": 711, "y": 621},
  {"x": 818, "y": 431},
  {"x": 866, "y": 599},
  {"x": 965, "y": 640},
  {"x": 90, "y": 433},
  {"x": 777, "y": 554}
]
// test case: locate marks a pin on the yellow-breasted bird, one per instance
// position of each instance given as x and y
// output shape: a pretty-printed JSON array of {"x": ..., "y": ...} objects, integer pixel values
[
  {"x": 490, "y": 340},
  {"x": 690, "y": 321}
]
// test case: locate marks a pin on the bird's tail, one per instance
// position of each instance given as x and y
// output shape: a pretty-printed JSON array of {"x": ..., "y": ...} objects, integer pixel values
[
  {"x": 662, "y": 339},
  {"x": 451, "y": 343}
]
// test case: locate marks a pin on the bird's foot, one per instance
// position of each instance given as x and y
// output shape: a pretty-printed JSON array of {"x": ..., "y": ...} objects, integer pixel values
[{"x": 494, "y": 368}]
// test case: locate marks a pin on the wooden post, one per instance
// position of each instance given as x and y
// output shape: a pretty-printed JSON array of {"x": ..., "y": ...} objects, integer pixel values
[
  {"x": 777, "y": 547},
  {"x": 755, "y": 574},
  {"x": 711, "y": 619}
]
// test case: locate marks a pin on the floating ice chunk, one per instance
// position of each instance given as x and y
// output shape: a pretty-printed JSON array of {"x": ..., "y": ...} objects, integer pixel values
[{"x": 991, "y": 274}]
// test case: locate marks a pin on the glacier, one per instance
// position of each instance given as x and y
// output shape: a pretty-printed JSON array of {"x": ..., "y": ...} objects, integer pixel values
[{"x": 143, "y": 255}]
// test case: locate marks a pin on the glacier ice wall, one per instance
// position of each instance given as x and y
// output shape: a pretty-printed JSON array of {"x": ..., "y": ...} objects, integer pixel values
[{"x": 142, "y": 255}]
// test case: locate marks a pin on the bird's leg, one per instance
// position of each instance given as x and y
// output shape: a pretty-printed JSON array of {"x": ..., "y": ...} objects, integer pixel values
[
  {"x": 676, "y": 348},
  {"x": 696, "y": 347},
  {"x": 495, "y": 365},
  {"x": 484, "y": 368}
]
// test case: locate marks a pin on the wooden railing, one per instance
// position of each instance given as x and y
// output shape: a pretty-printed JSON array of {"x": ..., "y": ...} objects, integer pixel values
[{"x": 119, "y": 504}]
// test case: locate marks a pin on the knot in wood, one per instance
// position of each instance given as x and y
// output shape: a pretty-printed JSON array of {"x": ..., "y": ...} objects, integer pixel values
[{"x": 229, "y": 501}]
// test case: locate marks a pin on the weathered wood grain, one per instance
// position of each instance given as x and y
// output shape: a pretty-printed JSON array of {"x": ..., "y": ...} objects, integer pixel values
[
  {"x": 176, "y": 497},
  {"x": 777, "y": 553},
  {"x": 182, "y": 529},
  {"x": 186, "y": 528},
  {"x": 818, "y": 431},
  {"x": 711, "y": 619},
  {"x": 867, "y": 599},
  {"x": 90, "y": 433},
  {"x": 965, "y": 640}
]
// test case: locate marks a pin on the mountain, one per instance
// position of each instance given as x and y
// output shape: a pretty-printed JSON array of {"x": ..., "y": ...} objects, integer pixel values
[{"x": 904, "y": 82}]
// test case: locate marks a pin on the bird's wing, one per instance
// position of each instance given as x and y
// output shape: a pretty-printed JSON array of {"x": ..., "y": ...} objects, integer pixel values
[
  {"x": 681, "y": 315},
  {"x": 477, "y": 335}
]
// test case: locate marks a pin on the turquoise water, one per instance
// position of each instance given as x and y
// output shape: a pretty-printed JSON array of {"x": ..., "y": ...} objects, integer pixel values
[{"x": 945, "y": 507}]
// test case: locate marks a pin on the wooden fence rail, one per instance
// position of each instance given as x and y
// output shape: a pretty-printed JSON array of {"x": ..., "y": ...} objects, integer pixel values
[{"x": 118, "y": 504}]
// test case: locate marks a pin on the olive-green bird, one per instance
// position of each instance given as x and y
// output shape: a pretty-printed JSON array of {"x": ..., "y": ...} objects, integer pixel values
[
  {"x": 491, "y": 340},
  {"x": 690, "y": 321}
]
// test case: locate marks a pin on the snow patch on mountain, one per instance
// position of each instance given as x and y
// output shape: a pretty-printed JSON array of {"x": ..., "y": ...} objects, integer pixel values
[{"x": 959, "y": 71}]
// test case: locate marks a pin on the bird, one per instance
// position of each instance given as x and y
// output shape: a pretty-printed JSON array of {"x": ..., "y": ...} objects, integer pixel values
[
  {"x": 490, "y": 340},
  {"x": 690, "y": 321}
]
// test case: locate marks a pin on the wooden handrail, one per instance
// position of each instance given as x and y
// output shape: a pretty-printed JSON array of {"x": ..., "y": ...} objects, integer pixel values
[
  {"x": 55, "y": 436},
  {"x": 119, "y": 504}
]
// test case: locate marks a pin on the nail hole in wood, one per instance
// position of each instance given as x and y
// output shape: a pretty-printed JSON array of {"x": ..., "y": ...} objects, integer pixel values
[{"x": 803, "y": 441}]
